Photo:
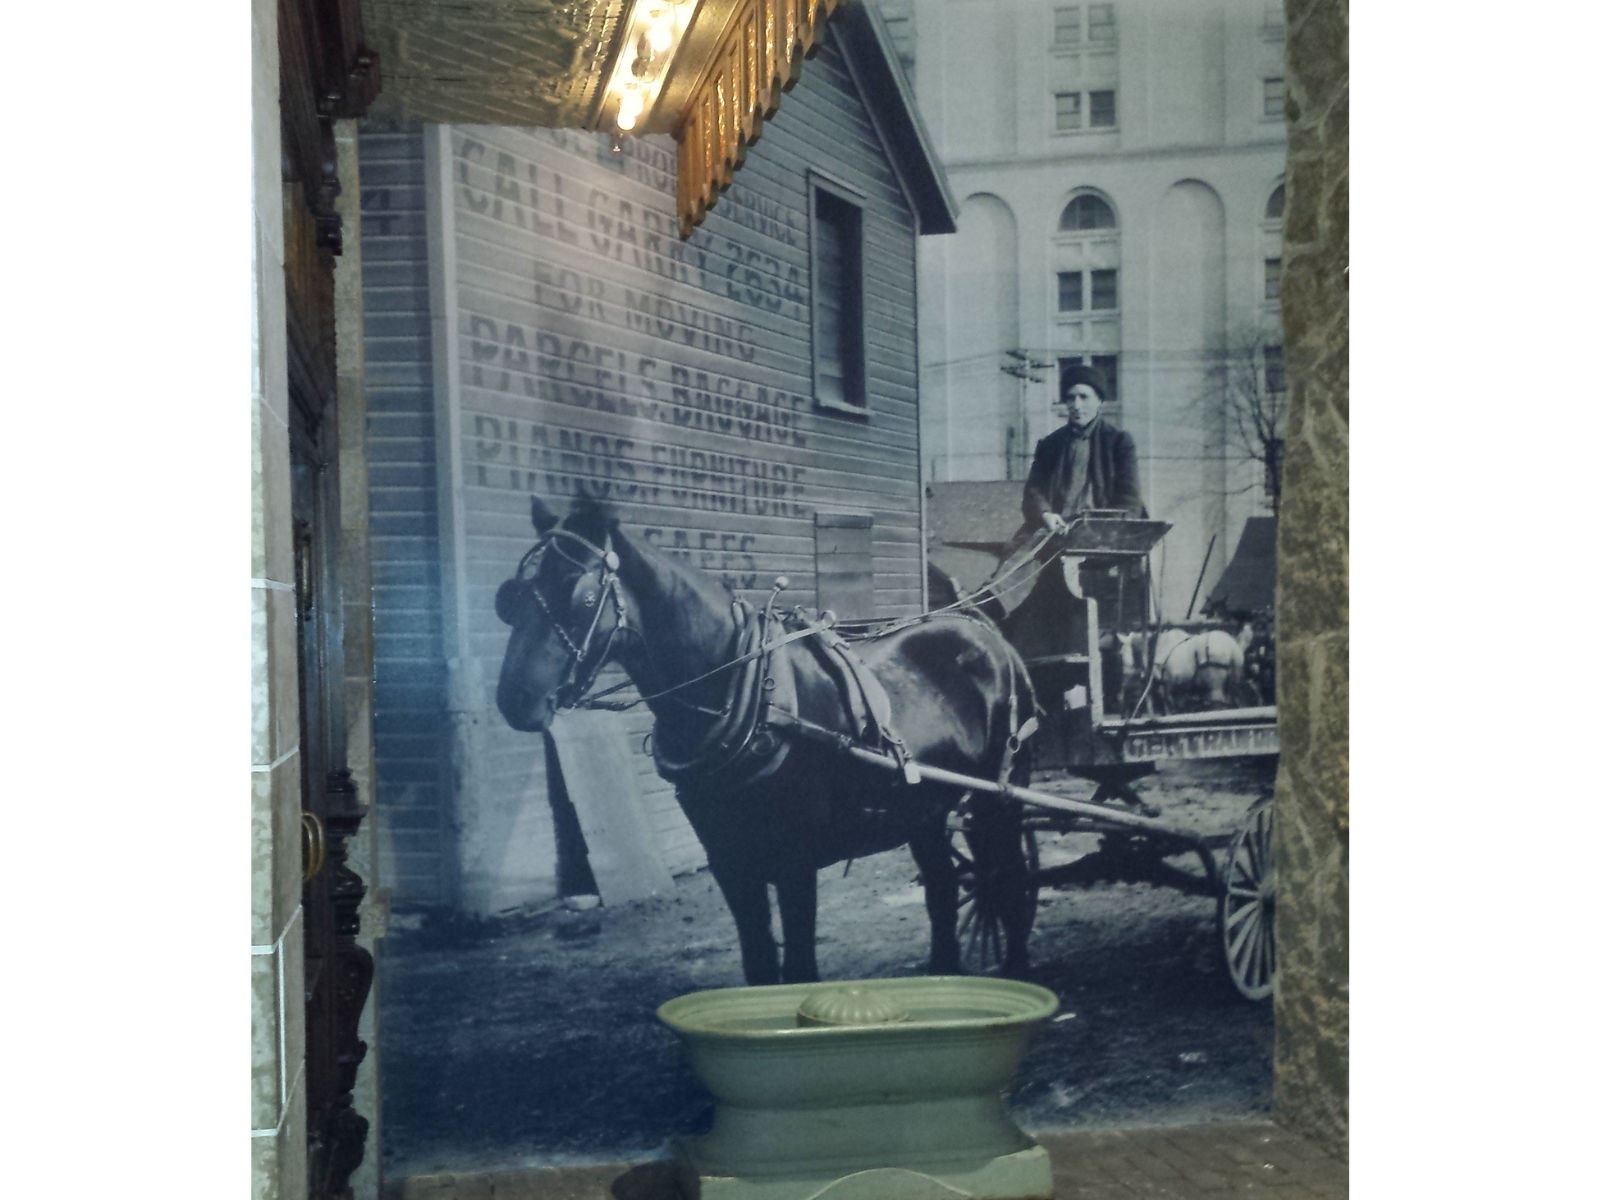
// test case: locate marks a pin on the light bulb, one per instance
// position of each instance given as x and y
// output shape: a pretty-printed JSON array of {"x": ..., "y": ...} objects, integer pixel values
[
  {"x": 628, "y": 109},
  {"x": 661, "y": 35}
]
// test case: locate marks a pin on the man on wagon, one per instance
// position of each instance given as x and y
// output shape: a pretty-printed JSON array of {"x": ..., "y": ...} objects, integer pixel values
[{"x": 1086, "y": 464}]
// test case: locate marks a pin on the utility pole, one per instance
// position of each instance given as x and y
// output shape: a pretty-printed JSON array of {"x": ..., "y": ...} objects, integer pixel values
[{"x": 1027, "y": 369}]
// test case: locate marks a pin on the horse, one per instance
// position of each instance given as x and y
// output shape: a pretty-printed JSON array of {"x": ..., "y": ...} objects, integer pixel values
[
  {"x": 1200, "y": 670},
  {"x": 588, "y": 593}
]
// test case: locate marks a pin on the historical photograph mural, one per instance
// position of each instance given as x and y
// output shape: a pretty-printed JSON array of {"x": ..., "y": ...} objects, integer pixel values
[{"x": 877, "y": 581}]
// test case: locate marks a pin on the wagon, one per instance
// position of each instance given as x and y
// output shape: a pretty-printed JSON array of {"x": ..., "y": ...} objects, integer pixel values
[{"x": 1093, "y": 739}]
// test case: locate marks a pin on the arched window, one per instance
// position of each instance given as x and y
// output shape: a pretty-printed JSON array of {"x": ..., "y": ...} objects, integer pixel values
[
  {"x": 1086, "y": 256},
  {"x": 1275, "y": 204},
  {"x": 1272, "y": 245},
  {"x": 1087, "y": 211}
]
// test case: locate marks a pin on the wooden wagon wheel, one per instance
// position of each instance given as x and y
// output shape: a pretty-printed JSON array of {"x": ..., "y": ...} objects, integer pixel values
[
  {"x": 1246, "y": 908},
  {"x": 978, "y": 927}
]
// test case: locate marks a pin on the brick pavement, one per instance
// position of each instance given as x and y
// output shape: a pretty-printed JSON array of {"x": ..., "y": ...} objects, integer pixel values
[{"x": 1223, "y": 1161}]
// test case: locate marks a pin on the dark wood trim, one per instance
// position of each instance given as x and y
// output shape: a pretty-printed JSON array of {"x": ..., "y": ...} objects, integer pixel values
[{"x": 326, "y": 73}]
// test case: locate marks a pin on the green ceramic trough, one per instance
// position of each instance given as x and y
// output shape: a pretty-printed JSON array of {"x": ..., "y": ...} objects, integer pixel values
[{"x": 874, "y": 1090}]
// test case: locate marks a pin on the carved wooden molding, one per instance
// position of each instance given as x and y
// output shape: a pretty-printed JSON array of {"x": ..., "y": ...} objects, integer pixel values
[{"x": 758, "y": 58}]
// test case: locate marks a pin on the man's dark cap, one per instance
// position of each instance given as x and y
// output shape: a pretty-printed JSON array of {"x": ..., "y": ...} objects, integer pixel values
[{"x": 1079, "y": 373}]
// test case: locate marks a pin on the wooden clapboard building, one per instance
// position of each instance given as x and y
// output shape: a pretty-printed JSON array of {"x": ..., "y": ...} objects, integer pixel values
[{"x": 745, "y": 398}]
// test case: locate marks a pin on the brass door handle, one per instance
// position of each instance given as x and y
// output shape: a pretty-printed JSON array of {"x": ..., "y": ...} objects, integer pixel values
[{"x": 313, "y": 845}]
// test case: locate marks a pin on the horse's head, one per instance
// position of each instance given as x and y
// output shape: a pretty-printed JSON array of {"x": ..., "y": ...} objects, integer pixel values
[{"x": 565, "y": 608}]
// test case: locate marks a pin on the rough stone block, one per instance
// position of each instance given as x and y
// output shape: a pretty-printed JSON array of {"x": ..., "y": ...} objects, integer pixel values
[
  {"x": 278, "y": 1159},
  {"x": 1311, "y": 829},
  {"x": 272, "y": 524},
  {"x": 287, "y": 867},
  {"x": 291, "y": 983},
  {"x": 260, "y": 680},
  {"x": 262, "y": 926},
  {"x": 293, "y": 1183},
  {"x": 1319, "y": 53},
  {"x": 272, "y": 308},
  {"x": 267, "y": 144},
  {"x": 283, "y": 671},
  {"x": 266, "y": 1092},
  {"x": 264, "y": 1181}
]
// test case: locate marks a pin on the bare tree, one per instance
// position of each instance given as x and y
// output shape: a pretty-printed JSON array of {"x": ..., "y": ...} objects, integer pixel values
[
  {"x": 1248, "y": 392},
  {"x": 1256, "y": 407}
]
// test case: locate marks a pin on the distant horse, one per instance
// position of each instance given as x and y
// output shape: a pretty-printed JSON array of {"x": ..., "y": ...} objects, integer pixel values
[
  {"x": 1193, "y": 670},
  {"x": 781, "y": 807}
]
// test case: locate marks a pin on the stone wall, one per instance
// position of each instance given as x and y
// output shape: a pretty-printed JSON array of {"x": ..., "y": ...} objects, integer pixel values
[
  {"x": 1312, "y": 839},
  {"x": 277, "y": 932}
]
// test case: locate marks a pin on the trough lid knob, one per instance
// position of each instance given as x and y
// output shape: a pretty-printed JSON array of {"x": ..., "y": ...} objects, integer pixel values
[{"x": 849, "y": 1006}]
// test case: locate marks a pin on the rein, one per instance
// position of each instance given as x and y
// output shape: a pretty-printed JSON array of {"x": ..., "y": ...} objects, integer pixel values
[
  {"x": 989, "y": 589},
  {"x": 736, "y": 737}
]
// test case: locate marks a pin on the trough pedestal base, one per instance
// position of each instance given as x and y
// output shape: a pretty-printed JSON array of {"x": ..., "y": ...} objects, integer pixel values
[{"x": 1020, "y": 1175}]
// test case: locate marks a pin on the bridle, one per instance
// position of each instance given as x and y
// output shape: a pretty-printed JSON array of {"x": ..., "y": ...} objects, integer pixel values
[{"x": 510, "y": 607}]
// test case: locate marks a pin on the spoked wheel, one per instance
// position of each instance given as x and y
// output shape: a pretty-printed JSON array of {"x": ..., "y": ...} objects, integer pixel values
[
  {"x": 978, "y": 925},
  {"x": 1247, "y": 906}
]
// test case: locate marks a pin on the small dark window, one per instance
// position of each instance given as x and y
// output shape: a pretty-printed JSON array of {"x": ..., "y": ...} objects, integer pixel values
[
  {"x": 1069, "y": 110},
  {"x": 1069, "y": 291},
  {"x": 838, "y": 358},
  {"x": 1102, "y": 25},
  {"x": 1272, "y": 97},
  {"x": 1102, "y": 110},
  {"x": 1274, "y": 275},
  {"x": 1067, "y": 22},
  {"x": 1087, "y": 212},
  {"x": 1273, "y": 356},
  {"x": 1103, "y": 289},
  {"x": 1275, "y": 204},
  {"x": 1106, "y": 364}
]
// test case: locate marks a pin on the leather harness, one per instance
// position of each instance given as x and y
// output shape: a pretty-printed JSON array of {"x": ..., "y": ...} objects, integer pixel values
[{"x": 746, "y": 741}]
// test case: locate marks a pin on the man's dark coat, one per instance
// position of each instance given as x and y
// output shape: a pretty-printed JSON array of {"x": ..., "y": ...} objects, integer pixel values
[{"x": 1113, "y": 474}]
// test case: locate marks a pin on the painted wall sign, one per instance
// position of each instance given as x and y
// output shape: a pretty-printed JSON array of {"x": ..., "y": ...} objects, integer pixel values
[{"x": 581, "y": 349}]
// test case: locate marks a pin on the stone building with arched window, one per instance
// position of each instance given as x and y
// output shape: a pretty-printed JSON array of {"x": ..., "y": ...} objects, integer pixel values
[{"x": 1120, "y": 173}]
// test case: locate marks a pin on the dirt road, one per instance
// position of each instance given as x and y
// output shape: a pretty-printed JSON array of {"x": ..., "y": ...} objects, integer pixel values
[{"x": 533, "y": 1040}]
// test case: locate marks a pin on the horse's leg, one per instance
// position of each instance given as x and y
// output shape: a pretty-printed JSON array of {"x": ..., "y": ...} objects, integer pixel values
[
  {"x": 930, "y": 846},
  {"x": 994, "y": 831},
  {"x": 746, "y": 895},
  {"x": 797, "y": 909}
]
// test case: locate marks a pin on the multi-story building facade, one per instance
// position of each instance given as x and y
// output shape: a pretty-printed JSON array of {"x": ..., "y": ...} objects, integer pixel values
[{"x": 1120, "y": 173}]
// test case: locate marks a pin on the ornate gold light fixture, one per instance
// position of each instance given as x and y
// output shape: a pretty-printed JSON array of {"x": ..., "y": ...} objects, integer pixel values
[
  {"x": 757, "y": 58},
  {"x": 655, "y": 30},
  {"x": 716, "y": 70}
]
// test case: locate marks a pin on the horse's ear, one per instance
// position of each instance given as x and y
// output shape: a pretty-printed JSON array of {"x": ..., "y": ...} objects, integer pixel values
[
  {"x": 591, "y": 518},
  {"x": 544, "y": 517}
]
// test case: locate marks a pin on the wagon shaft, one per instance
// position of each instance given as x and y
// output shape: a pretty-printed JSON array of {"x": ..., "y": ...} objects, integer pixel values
[{"x": 1077, "y": 808}]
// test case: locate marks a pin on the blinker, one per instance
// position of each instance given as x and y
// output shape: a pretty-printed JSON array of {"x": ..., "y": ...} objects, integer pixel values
[
  {"x": 511, "y": 601},
  {"x": 612, "y": 561}
]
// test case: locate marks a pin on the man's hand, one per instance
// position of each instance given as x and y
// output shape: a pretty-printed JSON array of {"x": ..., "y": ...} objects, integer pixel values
[{"x": 1055, "y": 523}]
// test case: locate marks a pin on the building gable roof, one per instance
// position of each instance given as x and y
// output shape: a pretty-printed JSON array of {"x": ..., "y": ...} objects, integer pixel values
[{"x": 870, "y": 53}]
